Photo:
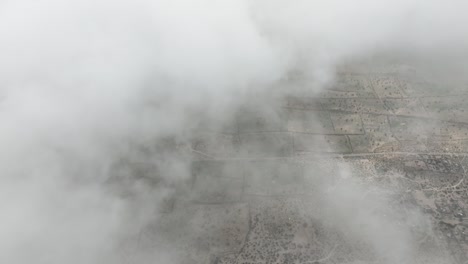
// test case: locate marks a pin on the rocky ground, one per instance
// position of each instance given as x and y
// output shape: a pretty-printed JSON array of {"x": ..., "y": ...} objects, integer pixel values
[{"x": 262, "y": 189}]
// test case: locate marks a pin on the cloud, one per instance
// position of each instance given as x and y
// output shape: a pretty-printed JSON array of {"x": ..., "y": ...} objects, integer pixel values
[{"x": 86, "y": 84}]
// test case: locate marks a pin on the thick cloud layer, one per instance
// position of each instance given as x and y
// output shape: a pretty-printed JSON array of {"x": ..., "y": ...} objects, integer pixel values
[{"x": 84, "y": 82}]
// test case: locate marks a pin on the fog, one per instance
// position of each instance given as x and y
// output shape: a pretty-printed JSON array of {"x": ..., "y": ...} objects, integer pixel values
[{"x": 88, "y": 89}]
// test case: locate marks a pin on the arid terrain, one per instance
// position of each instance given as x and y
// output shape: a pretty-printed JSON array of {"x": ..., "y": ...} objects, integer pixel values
[{"x": 261, "y": 189}]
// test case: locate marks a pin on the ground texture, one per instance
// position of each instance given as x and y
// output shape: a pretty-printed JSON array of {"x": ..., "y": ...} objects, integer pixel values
[{"x": 254, "y": 195}]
